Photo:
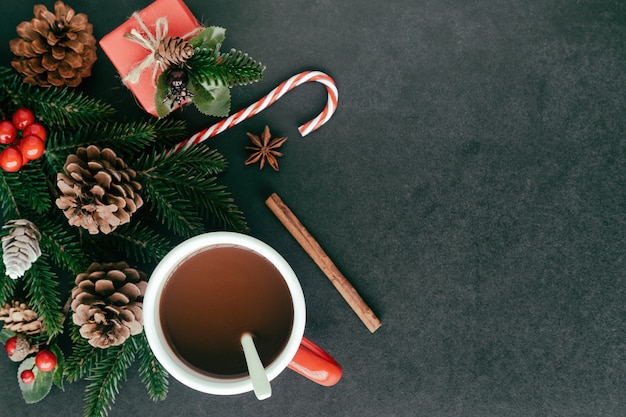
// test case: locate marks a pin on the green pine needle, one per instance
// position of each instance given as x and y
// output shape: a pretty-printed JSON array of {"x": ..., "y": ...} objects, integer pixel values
[
  {"x": 43, "y": 297},
  {"x": 176, "y": 183},
  {"x": 7, "y": 286},
  {"x": 82, "y": 359},
  {"x": 212, "y": 67},
  {"x": 138, "y": 242},
  {"x": 63, "y": 108},
  {"x": 152, "y": 373},
  {"x": 106, "y": 376},
  {"x": 61, "y": 242},
  {"x": 23, "y": 191}
]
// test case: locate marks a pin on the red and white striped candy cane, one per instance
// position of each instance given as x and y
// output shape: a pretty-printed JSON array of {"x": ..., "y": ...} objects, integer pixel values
[{"x": 267, "y": 101}]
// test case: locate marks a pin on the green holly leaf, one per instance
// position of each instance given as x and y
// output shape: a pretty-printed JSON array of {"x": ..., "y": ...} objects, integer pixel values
[
  {"x": 162, "y": 106},
  {"x": 209, "y": 38},
  {"x": 6, "y": 335},
  {"x": 212, "y": 99},
  {"x": 42, "y": 385},
  {"x": 57, "y": 372}
]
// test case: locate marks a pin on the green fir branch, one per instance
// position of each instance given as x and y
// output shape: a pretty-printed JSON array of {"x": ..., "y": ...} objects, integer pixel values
[
  {"x": 199, "y": 158},
  {"x": 126, "y": 139},
  {"x": 63, "y": 108},
  {"x": 41, "y": 284},
  {"x": 212, "y": 67},
  {"x": 61, "y": 242},
  {"x": 7, "y": 286},
  {"x": 137, "y": 242},
  {"x": 172, "y": 210},
  {"x": 169, "y": 180},
  {"x": 214, "y": 202},
  {"x": 106, "y": 376},
  {"x": 82, "y": 359},
  {"x": 24, "y": 190},
  {"x": 152, "y": 373}
]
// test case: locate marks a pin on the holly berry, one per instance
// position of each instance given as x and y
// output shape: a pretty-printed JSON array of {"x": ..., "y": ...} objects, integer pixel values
[
  {"x": 10, "y": 345},
  {"x": 27, "y": 376},
  {"x": 32, "y": 147},
  {"x": 11, "y": 159},
  {"x": 22, "y": 118},
  {"x": 45, "y": 360},
  {"x": 8, "y": 132},
  {"x": 35, "y": 129}
]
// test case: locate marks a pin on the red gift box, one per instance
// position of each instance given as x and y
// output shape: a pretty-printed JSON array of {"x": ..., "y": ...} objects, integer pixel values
[{"x": 126, "y": 54}]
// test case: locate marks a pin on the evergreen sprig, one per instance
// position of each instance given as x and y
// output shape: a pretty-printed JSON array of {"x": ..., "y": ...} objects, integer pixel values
[
  {"x": 152, "y": 373},
  {"x": 61, "y": 242},
  {"x": 61, "y": 108},
  {"x": 106, "y": 374},
  {"x": 229, "y": 69},
  {"x": 82, "y": 359},
  {"x": 193, "y": 192},
  {"x": 139, "y": 242},
  {"x": 41, "y": 290}
]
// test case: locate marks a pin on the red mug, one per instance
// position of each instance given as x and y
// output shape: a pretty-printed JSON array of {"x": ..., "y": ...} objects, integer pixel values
[{"x": 298, "y": 353}]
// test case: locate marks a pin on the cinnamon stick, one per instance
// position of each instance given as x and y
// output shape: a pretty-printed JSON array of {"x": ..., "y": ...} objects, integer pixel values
[{"x": 310, "y": 245}]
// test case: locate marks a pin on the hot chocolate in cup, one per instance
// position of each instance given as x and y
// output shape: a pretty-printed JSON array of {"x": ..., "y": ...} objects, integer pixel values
[{"x": 211, "y": 289}]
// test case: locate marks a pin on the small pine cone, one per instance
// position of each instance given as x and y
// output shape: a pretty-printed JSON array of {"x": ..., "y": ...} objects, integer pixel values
[
  {"x": 108, "y": 303},
  {"x": 174, "y": 51},
  {"x": 99, "y": 191},
  {"x": 20, "y": 248},
  {"x": 19, "y": 318},
  {"x": 54, "y": 49},
  {"x": 22, "y": 348}
]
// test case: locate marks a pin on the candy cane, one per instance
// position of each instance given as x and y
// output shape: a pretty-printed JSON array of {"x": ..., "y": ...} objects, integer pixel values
[{"x": 267, "y": 101}]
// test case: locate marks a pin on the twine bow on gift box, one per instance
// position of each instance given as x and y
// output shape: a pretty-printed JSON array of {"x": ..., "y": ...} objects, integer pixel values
[{"x": 153, "y": 43}]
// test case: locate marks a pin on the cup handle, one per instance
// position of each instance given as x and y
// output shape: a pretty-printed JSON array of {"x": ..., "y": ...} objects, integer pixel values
[{"x": 314, "y": 363}]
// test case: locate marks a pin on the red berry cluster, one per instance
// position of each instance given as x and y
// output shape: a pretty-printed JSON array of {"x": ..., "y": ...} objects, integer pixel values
[
  {"x": 45, "y": 361},
  {"x": 24, "y": 137}
]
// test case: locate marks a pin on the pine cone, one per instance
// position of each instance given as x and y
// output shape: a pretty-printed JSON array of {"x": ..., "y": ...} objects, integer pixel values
[
  {"x": 20, "y": 248},
  {"x": 22, "y": 348},
  {"x": 54, "y": 49},
  {"x": 107, "y": 303},
  {"x": 19, "y": 318},
  {"x": 174, "y": 51},
  {"x": 99, "y": 190}
]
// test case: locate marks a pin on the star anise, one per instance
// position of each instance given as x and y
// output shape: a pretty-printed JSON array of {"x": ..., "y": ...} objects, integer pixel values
[{"x": 265, "y": 149}]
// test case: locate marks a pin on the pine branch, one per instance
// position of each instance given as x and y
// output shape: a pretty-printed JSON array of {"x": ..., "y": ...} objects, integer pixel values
[
  {"x": 40, "y": 284},
  {"x": 7, "y": 286},
  {"x": 199, "y": 158},
  {"x": 229, "y": 69},
  {"x": 23, "y": 191},
  {"x": 61, "y": 242},
  {"x": 163, "y": 177},
  {"x": 172, "y": 210},
  {"x": 214, "y": 202},
  {"x": 106, "y": 377},
  {"x": 61, "y": 108},
  {"x": 126, "y": 139},
  {"x": 82, "y": 359},
  {"x": 137, "y": 242},
  {"x": 152, "y": 373}
]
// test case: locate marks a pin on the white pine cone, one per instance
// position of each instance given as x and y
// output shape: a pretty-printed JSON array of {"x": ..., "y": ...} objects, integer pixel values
[{"x": 20, "y": 248}]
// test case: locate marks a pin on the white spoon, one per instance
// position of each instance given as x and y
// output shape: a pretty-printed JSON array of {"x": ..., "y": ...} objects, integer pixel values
[{"x": 260, "y": 383}]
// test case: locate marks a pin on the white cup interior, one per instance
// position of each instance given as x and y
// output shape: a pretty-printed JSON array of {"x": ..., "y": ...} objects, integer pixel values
[{"x": 152, "y": 323}]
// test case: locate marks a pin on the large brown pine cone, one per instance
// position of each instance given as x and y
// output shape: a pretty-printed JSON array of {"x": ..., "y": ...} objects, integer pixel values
[
  {"x": 99, "y": 191},
  {"x": 54, "y": 49},
  {"x": 108, "y": 303}
]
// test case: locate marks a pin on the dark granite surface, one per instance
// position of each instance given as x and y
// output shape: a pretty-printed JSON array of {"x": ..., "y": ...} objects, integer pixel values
[{"x": 471, "y": 186}]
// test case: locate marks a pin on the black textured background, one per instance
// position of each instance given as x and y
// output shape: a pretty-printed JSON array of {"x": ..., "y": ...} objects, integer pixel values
[{"x": 471, "y": 186}]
